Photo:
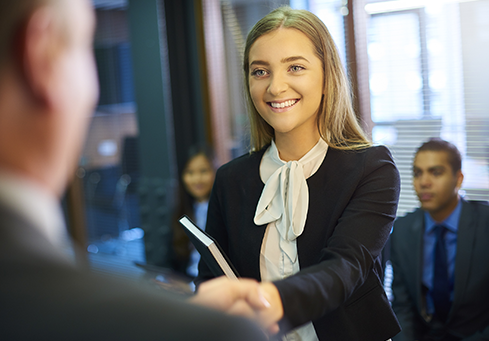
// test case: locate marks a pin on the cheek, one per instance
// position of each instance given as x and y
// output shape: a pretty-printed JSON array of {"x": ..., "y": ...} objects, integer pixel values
[
  {"x": 88, "y": 78},
  {"x": 186, "y": 179},
  {"x": 450, "y": 188},
  {"x": 416, "y": 185},
  {"x": 257, "y": 91},
  {"x": 316, "y": 94},
  {"x": 77, "y": 92},
  {"x": 81, "y": 87},
  {"x": 209, "y": 180}
]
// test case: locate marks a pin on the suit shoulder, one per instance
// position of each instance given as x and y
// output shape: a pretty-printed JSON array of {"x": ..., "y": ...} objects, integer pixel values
[
  {"x": 380, "y": 150},
  {"x": 482, "y": 203},
  {"x": 380, "y": 154},
  {"x": 403, "y": 225},
  {"x": 409, "y": 217},
  {"x": 241, "y": 164},
  {"x": 374, "y": 162},
  {"x": 479, "y": 205},
  {"x": 374, "y": 156}
]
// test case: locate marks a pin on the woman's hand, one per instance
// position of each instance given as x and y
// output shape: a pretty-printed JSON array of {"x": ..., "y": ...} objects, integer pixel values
[{"x": 245, "y": 297}]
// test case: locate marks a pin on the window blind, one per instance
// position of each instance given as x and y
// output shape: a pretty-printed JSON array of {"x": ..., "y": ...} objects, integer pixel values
[{"x": 428, "y": 78}]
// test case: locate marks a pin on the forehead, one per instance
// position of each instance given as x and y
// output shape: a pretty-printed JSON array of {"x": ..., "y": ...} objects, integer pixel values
[
  {"x": 281, "y": 43},
  {"x": 198, "y": 160},
  {"x": 430, "y": 158}
]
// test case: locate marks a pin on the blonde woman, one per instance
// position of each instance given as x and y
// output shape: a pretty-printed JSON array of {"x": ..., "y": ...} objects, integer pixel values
[{"x": 309, "y": 210}]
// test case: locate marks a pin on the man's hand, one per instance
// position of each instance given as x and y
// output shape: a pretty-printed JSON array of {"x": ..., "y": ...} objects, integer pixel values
[
  {"x": 275, "y": 311},
  {"x": 244, "y": 297}
]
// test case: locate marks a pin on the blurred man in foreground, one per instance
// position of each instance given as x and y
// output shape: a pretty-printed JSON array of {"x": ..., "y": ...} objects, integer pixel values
[
  {"x": 48, "y": 90},
  {"x": 439, "y": 254}
]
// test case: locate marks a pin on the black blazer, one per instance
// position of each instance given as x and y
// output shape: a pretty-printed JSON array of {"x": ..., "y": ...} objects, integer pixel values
[
  {"x": 469, "y": 315},
  {"x": 352, "y": 203},
  {"x": 44, "y": 297}
]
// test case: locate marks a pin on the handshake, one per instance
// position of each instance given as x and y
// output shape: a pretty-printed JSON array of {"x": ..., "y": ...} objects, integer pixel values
[{"x": 260, "y": 302}]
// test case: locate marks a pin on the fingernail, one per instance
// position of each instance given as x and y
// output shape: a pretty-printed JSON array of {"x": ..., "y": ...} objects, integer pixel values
[{"x": 263, "y": 299}]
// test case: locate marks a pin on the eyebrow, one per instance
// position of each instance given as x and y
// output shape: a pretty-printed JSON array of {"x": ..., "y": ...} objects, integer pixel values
[
  {"x": 293, "y": 59},
  {"x": 284, "y": 60},
  {"x": 436, "y": 168},
  {"x": 430, "y": 169}
]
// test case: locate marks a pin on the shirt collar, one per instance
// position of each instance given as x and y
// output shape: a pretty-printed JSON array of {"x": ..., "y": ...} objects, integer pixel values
[
  {"x": 451, "y": 222},
  {"x": 35, "y": 204},
  {"x": 285, "y": 196},
  {"x": 310, "y": 162}
]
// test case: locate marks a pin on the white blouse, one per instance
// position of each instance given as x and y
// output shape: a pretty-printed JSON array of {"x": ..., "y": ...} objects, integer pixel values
[{"x": 283, "y": 205}]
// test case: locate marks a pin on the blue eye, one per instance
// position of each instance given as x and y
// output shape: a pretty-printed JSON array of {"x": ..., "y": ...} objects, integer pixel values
[
  {"x": 258, "y": 73},
  {"x": 296, "y": 68}
]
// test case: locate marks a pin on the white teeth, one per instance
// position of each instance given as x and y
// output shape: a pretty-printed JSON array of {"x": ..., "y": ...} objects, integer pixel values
[{"x": 283, "y": 104}]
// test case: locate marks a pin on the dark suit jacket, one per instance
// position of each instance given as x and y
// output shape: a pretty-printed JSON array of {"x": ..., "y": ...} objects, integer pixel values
[
  {"x": 352, "y": 204},
  {"x": 469, "y": 316},
  {"x": 44, "y": 297}
]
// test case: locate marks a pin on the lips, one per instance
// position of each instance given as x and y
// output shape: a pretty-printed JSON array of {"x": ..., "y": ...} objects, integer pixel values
[
  {"x": 199, "y": 187},
  {"x": 425, "y": 196}
]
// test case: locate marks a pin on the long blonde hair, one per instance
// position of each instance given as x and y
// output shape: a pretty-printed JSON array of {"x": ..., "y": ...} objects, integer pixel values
[{"x": 336, "y": 120}]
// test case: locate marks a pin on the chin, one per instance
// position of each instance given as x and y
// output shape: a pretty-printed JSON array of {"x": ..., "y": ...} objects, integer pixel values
[
  {"x": 427, "y": 207},
  {"x": 431, "y": 210},
  {"x": 282, "y": 130}
]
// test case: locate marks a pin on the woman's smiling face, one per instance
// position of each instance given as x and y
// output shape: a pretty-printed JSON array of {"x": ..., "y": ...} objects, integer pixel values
[
  {"x": 286, "y": 81},
  {"x": 198, "y": 177}
]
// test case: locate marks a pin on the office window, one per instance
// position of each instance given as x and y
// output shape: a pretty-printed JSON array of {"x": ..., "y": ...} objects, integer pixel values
[
  {"x": 428, "y": 78},
  {"x": 332, "y": 13},
  {"x": 108, "y": 167}
]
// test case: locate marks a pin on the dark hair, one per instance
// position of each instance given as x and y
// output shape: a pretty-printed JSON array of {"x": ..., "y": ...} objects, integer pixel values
[
  {"x": 181, "y": 244},
  {"x": 439, "y": 145},
  {"x": 185, "y": 200}
]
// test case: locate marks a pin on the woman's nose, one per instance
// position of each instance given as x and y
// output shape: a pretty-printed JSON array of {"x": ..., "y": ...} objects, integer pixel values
[{"x": 277, "y": 85}]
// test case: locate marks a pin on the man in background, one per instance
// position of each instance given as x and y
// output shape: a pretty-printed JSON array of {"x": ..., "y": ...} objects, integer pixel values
[
  {"x": 440, "y": 254},
  {"x": 48, "y": 90}
]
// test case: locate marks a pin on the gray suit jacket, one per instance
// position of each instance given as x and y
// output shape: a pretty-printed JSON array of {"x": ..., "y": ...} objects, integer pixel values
[
  {"x": 44, "y": 297},
  {"x": 469, "y": 316}
]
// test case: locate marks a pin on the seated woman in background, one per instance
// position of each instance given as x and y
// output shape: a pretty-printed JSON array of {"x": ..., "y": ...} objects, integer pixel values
[
  {"x": 195, "y": 188},
  {"x": 308, "y": 212}
]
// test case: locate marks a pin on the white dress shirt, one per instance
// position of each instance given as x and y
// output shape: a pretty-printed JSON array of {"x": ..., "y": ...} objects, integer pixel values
[
  {"x": 35, "y": 204},
  {"x": 283, "y": 205}
]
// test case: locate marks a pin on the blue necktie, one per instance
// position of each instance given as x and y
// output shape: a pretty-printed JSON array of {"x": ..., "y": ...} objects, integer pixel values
[{"x": 441, "y": 286}]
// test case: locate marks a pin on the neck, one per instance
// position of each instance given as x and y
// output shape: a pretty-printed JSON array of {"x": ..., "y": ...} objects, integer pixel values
[
  {"x": 445, "y": 212},
  {"x": 293, "y": 147},
  {"x": 33, "y": 172},
  {"x": 24, "y": 140}
]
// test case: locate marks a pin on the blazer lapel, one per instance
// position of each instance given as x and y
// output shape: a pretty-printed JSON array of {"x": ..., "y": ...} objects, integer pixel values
[
  {"x": 465, "y": 243},
  {"x": 418, "y": 231}
]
